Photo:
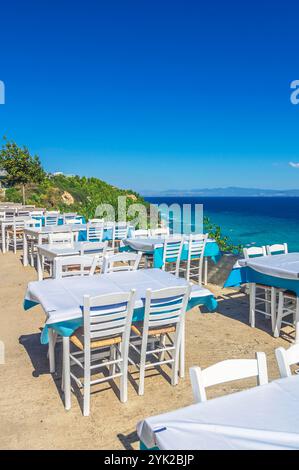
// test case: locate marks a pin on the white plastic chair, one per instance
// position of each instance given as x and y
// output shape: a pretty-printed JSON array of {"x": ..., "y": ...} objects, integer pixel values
[
  {"x": 262, "y": 298},
  {"x": 129, "y": 262},
  {"x": 227, "y": 371},
  {"x": 286, "y": 358},
  {"x": 194, "y": 264},
  {"x": 140, "y": 233},
  {"x": 107, "y": 322},
  {"x": 164, "y": 316},
  {"x": 73, "y": 222},
  {"x": 160, "y": 232},
  {"x": 172, "y": 250},
  {"x": 70, "y": 266},
  {"x": 277, "y": 249},
  {"x": 95, "y": 232}
]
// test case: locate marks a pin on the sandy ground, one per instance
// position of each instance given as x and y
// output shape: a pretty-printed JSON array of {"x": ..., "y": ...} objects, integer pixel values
[{"x": 32, "y": 415}]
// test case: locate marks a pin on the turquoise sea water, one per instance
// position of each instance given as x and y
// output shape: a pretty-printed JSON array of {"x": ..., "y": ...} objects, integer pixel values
[{"x": 249, "y": 220}]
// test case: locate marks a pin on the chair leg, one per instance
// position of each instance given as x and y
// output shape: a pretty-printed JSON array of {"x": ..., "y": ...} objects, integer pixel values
[
  {"x": 162, "y": 345},
  {"x": 124, "y": 377},
  {"x": 279, "y": 315},
  {"x": 273, "y": 308},
  {"x": 177, "y": 359},
  {"x": 112, "y": 358},
  {"x": 252, "y": 294},
  {"x": 142, "y": 367},
  {"x": 86, "y": 390}
]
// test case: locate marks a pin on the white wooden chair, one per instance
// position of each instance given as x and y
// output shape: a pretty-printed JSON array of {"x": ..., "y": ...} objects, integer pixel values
[
  {"x": 194, "y": 264},
  {"x": 227, "y": 371},
  {"x": 95, "y": 232},
  {"x": 286, "y": 358},
  {"x": 51, "y": 220},
  {"x": 172, "y": 250},
  {"x": 62, "y": 238},
  {"x": 121, "y": 262},
  {"x": 95, "y": 248},
  {"x": 160, "y": 232},
  {"x": 68, "y": 216},
  {"x": 278, "y": 248},
  {"x": 103, "y": 342},
  {"x": 36, "y": 213},
  {"x": 288, "y": 306},
  {"x": 262, "y": 298},
  {"x": 23, "y": 213},
  {"x": 140, "y": 233},
  {"x": 14, "y": 235},
  {"x": 161, "y": 332},
  {"x": 70, "y": 266},
  {"x": 120, "y": 232}
]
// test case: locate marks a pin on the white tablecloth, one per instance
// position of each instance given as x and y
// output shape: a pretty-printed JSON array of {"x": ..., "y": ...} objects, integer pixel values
[
  {"x": 61, "y": 299},
  {"x": 285, "y": 266},
  {"x": 264, "y": 417},
  {"x": 150, "y": 243}
]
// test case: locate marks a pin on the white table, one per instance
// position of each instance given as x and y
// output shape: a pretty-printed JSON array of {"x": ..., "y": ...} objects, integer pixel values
[
  {"x": 285, "y": 266},
  {"x": 264, "y": 417},
  {"x": 41, "y": 234},
  {"x": 61, "y": 300}
]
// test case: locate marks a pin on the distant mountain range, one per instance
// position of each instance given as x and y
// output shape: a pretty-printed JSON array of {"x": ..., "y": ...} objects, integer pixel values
[{"x": 223, "y": 192}]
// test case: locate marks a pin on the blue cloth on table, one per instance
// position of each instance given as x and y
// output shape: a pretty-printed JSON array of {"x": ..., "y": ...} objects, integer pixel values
[
  {"x": 67, "y": 328},
  {"x": 244, "y": 275}
]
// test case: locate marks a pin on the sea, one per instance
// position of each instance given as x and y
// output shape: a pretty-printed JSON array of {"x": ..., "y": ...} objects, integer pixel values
[{"x": 248, "y": 220}]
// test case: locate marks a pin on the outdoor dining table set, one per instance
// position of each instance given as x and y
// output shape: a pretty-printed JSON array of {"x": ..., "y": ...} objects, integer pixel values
[{"x": 280, "y": 272}]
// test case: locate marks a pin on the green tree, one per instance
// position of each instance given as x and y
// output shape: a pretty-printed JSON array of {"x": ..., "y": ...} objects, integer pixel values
[{"x": 21, "y": 167}]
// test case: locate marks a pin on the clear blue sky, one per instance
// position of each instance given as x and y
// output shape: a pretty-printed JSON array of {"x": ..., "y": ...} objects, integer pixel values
[{"x": 155, "y": 94}]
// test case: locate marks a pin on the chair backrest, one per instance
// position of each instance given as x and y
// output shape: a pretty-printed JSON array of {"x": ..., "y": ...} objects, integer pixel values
[
  {"x": 73, "y": 221},
  {"x": 10, "y": 214},
  {"x": 95, "y": 232},
  {"x": 227, "y": 371},
  {"x": 196, "y": 245},
  {"x": 107, "y": 316},
  {"x": 172, "y": 249},
  {"x": 165, "y": 306},
  {"x": 129, "y": 262},
  {"x": 254, "y": 252},
  {"x": 2, "y": 215},
  {"x": 23, "y": 213},
  {"x": 51, "y": 220},
  {"x": 286, "y": 358},
  {"x": 278, "y": 248},
  {"x": 160, "y": 231},
  {"x": 70, "y": 266},
  {"x": 96, "y": 221},
  {"x": 93, "y": 248},
  {"x": 36, "y": 213},
  {"x": 120, "y": 231},
  {"x": 61, "y": 238},
  {"x": 140, "y": 233},
  {"x": 33, "y": 223},
  {"x": 52, "y": 213}
]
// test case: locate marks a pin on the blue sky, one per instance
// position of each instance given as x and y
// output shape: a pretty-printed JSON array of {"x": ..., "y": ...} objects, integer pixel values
[{"x": 155, "y": 94}]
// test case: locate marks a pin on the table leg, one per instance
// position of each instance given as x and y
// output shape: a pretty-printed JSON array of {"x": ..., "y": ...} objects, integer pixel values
[
  {"x": 51, "y": 351},
  {"x": 66, "y": 372},
  {"x": 206, "y": 270},
  {"x": 297, "y": 322},
  {"x": 182, "y": 352}
]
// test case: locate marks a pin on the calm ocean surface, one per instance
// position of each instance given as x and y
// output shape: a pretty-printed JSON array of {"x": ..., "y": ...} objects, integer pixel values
[{"x": 249, "y": 220}]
